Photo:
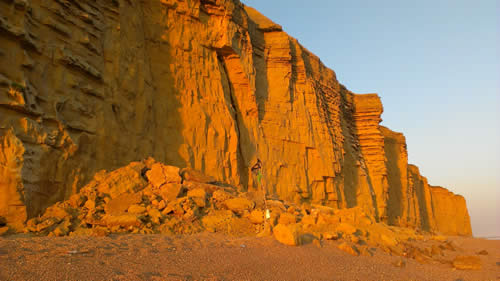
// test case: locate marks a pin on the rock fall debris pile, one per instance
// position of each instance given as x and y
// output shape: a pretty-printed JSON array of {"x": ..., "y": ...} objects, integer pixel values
[{"x": 149, "y": 197}]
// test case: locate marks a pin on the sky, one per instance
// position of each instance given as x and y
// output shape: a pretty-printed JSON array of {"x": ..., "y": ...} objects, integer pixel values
[{"x": 436, "y": 66}]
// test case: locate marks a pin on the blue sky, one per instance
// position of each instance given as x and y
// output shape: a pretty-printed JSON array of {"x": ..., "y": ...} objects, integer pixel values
[{"x": 436, "y": 66}]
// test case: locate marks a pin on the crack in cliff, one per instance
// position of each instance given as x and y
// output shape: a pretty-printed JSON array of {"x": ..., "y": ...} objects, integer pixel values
[
  {"x": 233, "y": 108},
  {"x": 370, "y": 185},
  {"x": 354, "y": 153}
]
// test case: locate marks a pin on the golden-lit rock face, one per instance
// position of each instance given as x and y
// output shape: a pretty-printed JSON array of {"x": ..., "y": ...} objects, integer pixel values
[
  {"x": 367, "y": 111},
  {"x": 207, "y": 84},
  {"x": 450, "y": 212},
  {"x": 12, "y": 206}
]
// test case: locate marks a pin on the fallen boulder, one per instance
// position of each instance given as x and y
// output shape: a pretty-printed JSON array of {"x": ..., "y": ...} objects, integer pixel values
[
  {"x": 286, "y": 234},
  {"x": 239, "y": 204}
]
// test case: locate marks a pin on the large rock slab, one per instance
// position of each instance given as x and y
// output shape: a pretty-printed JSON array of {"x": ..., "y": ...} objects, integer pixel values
[
  {"x": 286, "y": 234},
  {"x": 189, "y": 174},
  {"x": 239, "y": 204},
  {"x": 121, "y": 203},
  {"x": 162, "y": 174}
]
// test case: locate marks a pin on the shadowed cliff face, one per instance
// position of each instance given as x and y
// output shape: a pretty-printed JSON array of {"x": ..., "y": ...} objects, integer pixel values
[
  {"x": 397, "y": 176},
  {"x": 213, "y": 85}
]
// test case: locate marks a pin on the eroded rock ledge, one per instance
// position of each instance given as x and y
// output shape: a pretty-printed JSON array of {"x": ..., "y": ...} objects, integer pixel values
[{"x": 211, "y": 85}]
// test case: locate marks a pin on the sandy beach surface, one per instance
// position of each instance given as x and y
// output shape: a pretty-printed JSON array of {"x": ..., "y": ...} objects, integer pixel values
[{"x": 217, "y": 257}]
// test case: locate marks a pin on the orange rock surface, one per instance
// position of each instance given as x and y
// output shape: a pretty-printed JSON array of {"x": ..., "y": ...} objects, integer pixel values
[
  {"x": 207, "y": 84},
  {"x": 450, "y": 212}
]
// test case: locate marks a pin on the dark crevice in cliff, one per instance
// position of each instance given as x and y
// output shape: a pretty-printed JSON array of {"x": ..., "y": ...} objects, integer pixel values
[
  {"x": 294, "y": 75},
  {"x": 434, "y": 212},
  {"x": 395, "y": 192},
  {"x": 422, "y": 206},
  {"x": 260, "y": 65},
  {"x": 235, "y": 112},
  {"x": 349, "y": 170},
  {"x": 370, "y": 185}
]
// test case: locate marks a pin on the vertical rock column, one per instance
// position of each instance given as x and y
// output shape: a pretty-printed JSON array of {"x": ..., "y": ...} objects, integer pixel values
[
  {"x": 396, "y": 156},
  {"x": 421, "y": 211},
  {"x": 367, "y": 111}
]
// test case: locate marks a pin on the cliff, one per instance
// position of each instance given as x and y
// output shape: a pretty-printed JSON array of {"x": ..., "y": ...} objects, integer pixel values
[{"x": 208, "y": 84}]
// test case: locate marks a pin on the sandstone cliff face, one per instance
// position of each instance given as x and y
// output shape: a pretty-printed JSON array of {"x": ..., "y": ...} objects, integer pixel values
[
  {"x": 450, "y": 212},
  {"x": 209, "y": 84},
  {"x": 367, "y": 111},
  {"x": 396, "y": 157},
  {"x": 12, "y": 206}
]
